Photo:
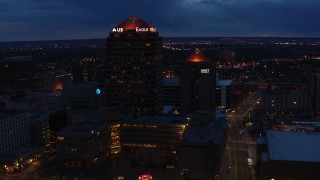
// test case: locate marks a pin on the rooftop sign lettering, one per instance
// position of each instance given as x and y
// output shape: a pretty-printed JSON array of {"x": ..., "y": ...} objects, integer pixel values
[{"x": 138, "y": 29}]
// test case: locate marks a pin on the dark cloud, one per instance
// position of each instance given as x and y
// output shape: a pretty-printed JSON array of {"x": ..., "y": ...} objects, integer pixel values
[{"x": 65, "y": 19}]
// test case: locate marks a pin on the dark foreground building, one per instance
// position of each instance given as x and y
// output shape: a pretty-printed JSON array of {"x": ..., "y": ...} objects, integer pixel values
[
  {"x": 134, "y": 68},
  {"x": 290, "y": 155},
  {"x": 203, "y": 145}
]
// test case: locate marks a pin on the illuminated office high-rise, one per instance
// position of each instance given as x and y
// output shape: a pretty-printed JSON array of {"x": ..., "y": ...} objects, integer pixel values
[
  {"x": 134, "y": 68},
  {"x": 197, "y": 83}
]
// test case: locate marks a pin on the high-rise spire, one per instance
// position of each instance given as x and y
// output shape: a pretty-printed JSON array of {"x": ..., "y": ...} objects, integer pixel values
[
  {"x": 197, "y": 56},
  {"x": 134, "y": 23}
]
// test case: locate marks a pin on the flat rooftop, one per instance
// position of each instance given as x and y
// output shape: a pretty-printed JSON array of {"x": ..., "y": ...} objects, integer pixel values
[
  {"x": 86, "y": 90},
  {"x": 210, "y": 133},
  {"x": 224, "y": 82},
  {"x": 83, "y": 130},
  {"x": 172, "y": 81},
  {"x": 156, "y": 120},
  {"x": 200, "y": 134},
  {"x": 294, "y": 146}
]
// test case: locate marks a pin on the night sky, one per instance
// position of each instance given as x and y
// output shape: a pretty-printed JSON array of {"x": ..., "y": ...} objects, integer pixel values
[{"x": 83, "y": 19}]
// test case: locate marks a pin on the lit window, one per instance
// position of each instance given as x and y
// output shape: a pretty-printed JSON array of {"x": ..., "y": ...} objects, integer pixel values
[{"x": 60, "y": 138}]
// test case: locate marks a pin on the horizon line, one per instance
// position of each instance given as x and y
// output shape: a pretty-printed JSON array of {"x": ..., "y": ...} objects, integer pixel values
[{"x": 291, "y": 37}]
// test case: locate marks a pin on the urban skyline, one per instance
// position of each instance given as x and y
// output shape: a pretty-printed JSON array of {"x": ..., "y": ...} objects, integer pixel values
[
  {"x": 42, "y": 20},
  {"x": 135, "y": 105}
]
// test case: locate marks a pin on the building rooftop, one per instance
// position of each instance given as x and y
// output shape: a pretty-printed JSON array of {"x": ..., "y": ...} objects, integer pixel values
[
  {"x": 157, "y": 120},
  {"x": 84, "y": 130},
  {"x": 132, "y": 23},
  {"x": 294, "y": 146},
  {"x": 84, "y": 90},
  {"x": 41, "y": 116},
  {"x": 197, "y": 57},
  {"x": 224, "y": 82},
  {"x": 200, "y": 134},
  {"x": 212, "y": 132},
  {"x": 172, "y": 81}
]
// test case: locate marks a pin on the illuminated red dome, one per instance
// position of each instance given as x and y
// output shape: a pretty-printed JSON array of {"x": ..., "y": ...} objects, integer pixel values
[
  {"x": 132, "y": 23},
  {"x": 197, "y": 56}
]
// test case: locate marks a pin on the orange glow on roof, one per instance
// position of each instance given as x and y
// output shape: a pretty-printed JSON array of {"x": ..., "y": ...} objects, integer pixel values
[
  {"x": 58, "y": 86},
  {"x": 133, "y": 22},
  {"x": 197, "y": 56},
  {"x": 145, "y": 177}
]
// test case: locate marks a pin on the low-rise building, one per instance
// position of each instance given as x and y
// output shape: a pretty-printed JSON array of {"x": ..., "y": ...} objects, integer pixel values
[
  {"x": 163, "y": 133},
  {"x": 84, "y": 143},
  {"x": 171, "y": 91},
  {"x": 285, "y": 100},
  {"x": 203, "y": 147},
  {"x": 39, "y": 127},
  {"x": 14, "y": 130},
  {"x": 291, "y": 155}
]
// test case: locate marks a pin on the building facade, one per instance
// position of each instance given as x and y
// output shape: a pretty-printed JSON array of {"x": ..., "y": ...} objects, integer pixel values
[
  {"x": 197, "y": 84},
  {"x": 285, "y": 100},
  {"x": 83, "y": 143},
  {"x": 290, "y": 155},
  {"x": 171, "y": 91},
  {"x": 161, "y": 133},
  {"x": 223, "y": 93},
  {"x": 134, "y": 68},
  {"x": 203, "y": 146},
  {"x": 14, "y": 130},
  {"x": 315, "y": 89}
]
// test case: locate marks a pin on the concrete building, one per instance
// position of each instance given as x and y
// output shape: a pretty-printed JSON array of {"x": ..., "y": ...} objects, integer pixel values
[
  {"x": 161, "y": 133},
  {"x": 223, "y": 93},
  {"x": 134, "y": 68},
  {"x": 87, "y": 142},
  {"x": 171, "y": 91},
  {"x": 203, "y": 147},
  {"x": 14, "y": 130},
  {"x": 291, "y": 155},
  {"x": 285, "y": 100},
  {"x": 39, "y": 127},
  {"x": 197, "y": 84}
]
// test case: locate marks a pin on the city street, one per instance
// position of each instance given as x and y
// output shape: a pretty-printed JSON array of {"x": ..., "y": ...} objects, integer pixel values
[{"x": 240, "y": 146}]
